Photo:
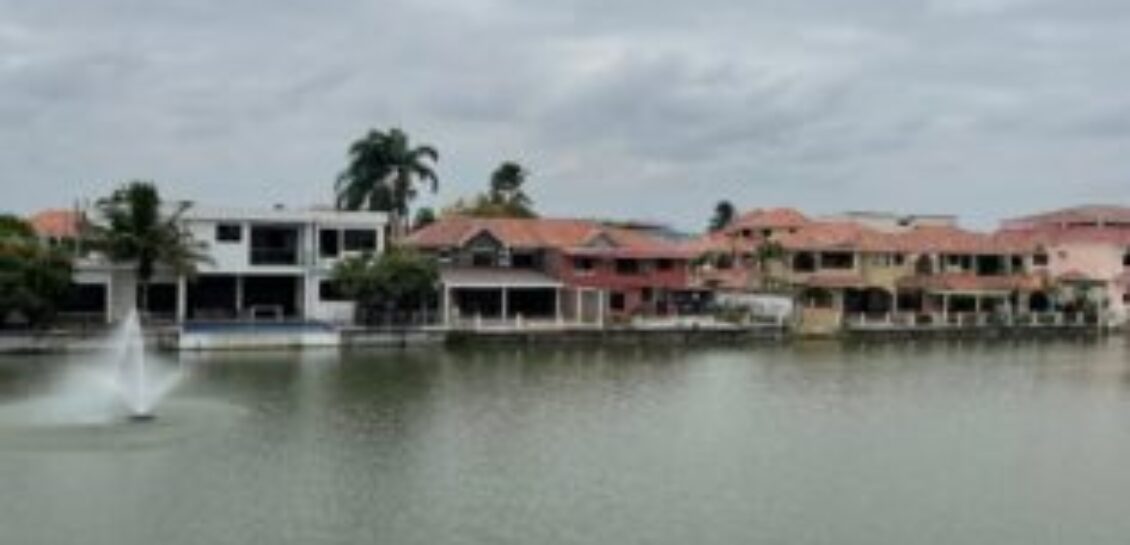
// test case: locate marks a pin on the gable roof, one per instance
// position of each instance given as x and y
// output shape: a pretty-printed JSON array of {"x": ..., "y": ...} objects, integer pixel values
[{"x": 573, "y": 236}]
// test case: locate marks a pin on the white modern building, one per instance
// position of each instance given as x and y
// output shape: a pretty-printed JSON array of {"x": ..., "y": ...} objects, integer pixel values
[{"x": 266, "y": 265}]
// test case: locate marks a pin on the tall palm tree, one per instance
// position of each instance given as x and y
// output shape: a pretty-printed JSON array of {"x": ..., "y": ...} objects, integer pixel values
[
  {"x": 383, "y": 172},
  {"x": 134, "y": 230}
]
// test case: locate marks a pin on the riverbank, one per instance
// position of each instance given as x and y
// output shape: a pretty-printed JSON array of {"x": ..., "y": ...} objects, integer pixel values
[{"x": 250, "y": 339}]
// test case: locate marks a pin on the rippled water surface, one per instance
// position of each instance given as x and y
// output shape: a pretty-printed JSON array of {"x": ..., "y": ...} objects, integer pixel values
[{"x": 1023, "y": 443}]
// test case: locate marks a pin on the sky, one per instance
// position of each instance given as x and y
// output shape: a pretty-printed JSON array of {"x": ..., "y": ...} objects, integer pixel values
[{"x": 633, "y": 109}]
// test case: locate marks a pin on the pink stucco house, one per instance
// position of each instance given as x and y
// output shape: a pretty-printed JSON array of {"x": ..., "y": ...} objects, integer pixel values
[{"x": 1086, "y": 249}]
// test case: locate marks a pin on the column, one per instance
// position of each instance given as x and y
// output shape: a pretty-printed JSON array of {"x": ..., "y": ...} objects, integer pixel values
[
  {"x": 239, "y": 296},
  {"x": 446, "y": 305},
  {"x": 182, "y": 299},
  {"x": 110, "y": 300},
  {"x": 580, "y": 310},
  {"x": 600, "y": 297},
  {"x": 557, "y": 305},
  {"x": 505, "y": 304}
]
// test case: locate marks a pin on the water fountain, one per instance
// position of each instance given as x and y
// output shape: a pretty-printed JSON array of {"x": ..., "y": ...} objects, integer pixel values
[
  {"x": 131, "y": 378},
  {"x": 139, "y": 388}
]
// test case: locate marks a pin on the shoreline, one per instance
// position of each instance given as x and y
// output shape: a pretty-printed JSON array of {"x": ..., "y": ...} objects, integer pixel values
[{"x": 169, "y": 339}]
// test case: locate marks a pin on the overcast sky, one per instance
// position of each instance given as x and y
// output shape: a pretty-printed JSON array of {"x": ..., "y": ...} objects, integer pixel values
[{"x": 649, "y": 109}]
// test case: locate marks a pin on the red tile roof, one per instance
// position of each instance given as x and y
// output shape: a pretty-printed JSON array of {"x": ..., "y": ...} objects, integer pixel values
[
  {"x": 1076, "y": 214},
  {"x": 769, "y": 218},
  {"x": 56, "y": 223},
  {"x": 569, "y": 235},
  {"x": 831, "y": 235}
]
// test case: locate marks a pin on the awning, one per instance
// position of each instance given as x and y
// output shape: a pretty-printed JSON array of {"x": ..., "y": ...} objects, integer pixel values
[{"x": 488, "y": 278}]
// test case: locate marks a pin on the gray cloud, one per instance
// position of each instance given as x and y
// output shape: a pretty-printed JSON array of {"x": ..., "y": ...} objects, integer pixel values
[{"x": 650, "y": 109}]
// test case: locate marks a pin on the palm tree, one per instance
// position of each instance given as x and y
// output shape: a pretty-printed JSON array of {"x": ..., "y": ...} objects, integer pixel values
[
  {"x": 135, "y": 231},
  {"x": 724, "y": 213},
  {"x": 384, "y": 169}
]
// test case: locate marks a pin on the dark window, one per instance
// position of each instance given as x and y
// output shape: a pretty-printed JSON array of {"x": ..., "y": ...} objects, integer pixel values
[
  {"x": 522, "y": 261},
  {"x": 1017, "y": 263},
  {"x": 665, "y": 264},
  {"x": 229, "y": 232},
  {"x": 86, "y": 299},
  {"x": 804, "y": 262},
  {"x": 647, "y": 294},
  {"x": 616, "y": 301},
  {"x": 900, "y": 259},
  {"x": 329, "y": 243},
  {"x": 360, "y": 240},
  {"x": 482, "y": 259},
  {"x": 584, "y": 264},
  {"x": 837, "y": 260},
  {"x": 1040, "y": 259},
  {"x": 329, "y": 290},
  {"x": 1126, "y": 259},
  {"x": 627, "y": 266}
]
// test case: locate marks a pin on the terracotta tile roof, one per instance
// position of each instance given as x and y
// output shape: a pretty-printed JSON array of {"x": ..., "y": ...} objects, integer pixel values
[
  {"x": 966, "y": 282},
  {"x": 1077, "y": 214},
  {"x": 830, "y": 235},
  {"x": 569, "y": 235},
  {"x": 56, "y": 223},
  {"x": 833, "y": 235},
  {"x": 720, "y": 242},
  {"x": 1036, "y": 237},
  {"x": 769, "y": 218}
]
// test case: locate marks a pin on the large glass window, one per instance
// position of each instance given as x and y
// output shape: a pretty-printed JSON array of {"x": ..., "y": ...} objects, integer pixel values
[
  {"x": 360, "y": 240},
  {"x": 329, "y": 243}
]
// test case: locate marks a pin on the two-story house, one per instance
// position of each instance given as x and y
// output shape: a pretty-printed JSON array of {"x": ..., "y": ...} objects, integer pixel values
[
  {"x": 553, "y": 270},
  {"x": 272, "y": 264}
]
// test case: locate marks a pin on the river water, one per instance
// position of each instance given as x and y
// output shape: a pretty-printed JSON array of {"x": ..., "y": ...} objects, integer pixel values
[{"x": 1001, "y": 443}]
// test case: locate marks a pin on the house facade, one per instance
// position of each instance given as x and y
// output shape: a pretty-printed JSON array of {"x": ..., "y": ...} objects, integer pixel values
[
  {"x": 266, "y": 265},
  {"x": 1086, "y": 249},
  {"x": 554, "y": 270}
]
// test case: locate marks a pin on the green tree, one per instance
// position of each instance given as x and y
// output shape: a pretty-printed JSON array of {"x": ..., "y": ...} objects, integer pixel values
[
  {"x": 506, "y": 186},
  {"x": 399, "y": 279},
  {"x": 505, "y": 197},
  {"x": 383, "y": 172},
  {"x": 424, "y": 217},
  {"x": 34, "y": 278},
  {"x": 14, "y": 227},
  {"x": 137, "y": 231},
  {"x": 724, "y": 213}
]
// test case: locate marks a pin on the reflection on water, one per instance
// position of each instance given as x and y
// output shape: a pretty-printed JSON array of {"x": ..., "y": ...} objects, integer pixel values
[{"x": 803, "y": 443}]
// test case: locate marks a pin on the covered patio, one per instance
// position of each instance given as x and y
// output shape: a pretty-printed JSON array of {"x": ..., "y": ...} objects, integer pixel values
[{"x": 483, "y": 297}]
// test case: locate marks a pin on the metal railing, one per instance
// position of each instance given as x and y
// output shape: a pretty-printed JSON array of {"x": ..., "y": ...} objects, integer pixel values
[{"x": 935, "y": 320}]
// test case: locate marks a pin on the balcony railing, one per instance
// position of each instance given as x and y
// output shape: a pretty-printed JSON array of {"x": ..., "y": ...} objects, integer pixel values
[{"x": 276, "y": 256}]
